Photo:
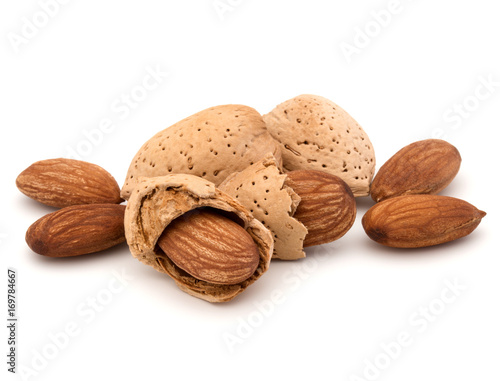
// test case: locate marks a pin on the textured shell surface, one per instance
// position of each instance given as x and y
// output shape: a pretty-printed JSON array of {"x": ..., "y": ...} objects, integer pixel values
[
  {"x": 262, "y": 189},
  {"x": 315, "y": 133},
  {"x": 211, "y": 144},
  {"x": 157, "y": 201}
]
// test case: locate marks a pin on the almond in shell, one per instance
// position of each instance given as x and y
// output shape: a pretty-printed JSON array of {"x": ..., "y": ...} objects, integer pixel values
[
  {"x": 263, "y": 190},
  {"x": 210, "y": 247},
  {"x": 327, "y": 205},
  {"x": 157, "y": 202}
]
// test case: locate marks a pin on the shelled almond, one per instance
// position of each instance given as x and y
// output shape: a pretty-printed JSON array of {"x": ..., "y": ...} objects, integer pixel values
[
  {"x": 420, "y": 220},
  {"x": 423, "y": 167},
  {"x": 65, "y": 182},
  {"x": 77, "y": 230}
]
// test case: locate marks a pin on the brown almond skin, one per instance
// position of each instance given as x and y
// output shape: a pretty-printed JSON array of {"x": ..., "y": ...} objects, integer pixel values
[
  {"x": 423, "y": 167},
  {"x": 210, "y": 247},
  {"x": 65, "y": 182},
  {"x": 420, "y": 220},
  {"x": 327, "y": 207},
  {"x": 77, "y": 230}
]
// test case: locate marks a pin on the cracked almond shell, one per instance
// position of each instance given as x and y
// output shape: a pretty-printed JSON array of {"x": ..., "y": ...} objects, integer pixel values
[
  {"x": 262, "y": 189},
  {"x": 211, "y": 144},
  {"x": 316, "y": 134},
  {"x": 156, "y": 202}
]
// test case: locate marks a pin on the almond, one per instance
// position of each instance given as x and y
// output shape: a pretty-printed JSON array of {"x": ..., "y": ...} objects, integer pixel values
[
  {"x": 327, "y": 205},
  {"x": 423, "y": 167},
  {"x": 77, "y": 230},
  {"x": 420, "y": 220},
  {"x": 158, "y": 202},
  {"x": 210, "y": 247},
  {"x": 65, "y": 182}
]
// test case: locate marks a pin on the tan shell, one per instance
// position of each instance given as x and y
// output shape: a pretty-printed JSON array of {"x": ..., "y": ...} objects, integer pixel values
[
  {"x": 211, "y": 144},
  {"x": 315, "y": 133},
  {"x": 261, "y": 189},
  {"x": 155, "y": 202}
]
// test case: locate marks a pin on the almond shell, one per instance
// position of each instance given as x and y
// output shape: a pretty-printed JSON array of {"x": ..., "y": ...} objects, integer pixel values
[
  {"x": 315, "y": 133},
  {"x": 261, "y": 188},
  {"x": 211, "y": 144}
]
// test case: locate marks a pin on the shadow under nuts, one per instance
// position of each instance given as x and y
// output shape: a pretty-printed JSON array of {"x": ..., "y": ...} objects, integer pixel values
[{"x": 210, "y": 247}]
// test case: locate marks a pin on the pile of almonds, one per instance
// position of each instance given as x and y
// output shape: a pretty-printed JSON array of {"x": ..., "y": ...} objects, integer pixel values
[
  {"x": 90, "y": 218},
  {"x": 211, "y": 200}
]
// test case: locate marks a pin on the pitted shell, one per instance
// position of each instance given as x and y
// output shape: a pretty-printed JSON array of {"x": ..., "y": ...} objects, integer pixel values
[
  {"x": 261, "y": 188},
  {"x": 157, "y": 201},
  {"x": 211, "y": 144},
  {"x": 315, "y": 133}
]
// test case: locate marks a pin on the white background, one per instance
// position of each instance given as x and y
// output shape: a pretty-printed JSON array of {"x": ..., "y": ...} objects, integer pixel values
[{"x": 406, "y": 81}]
